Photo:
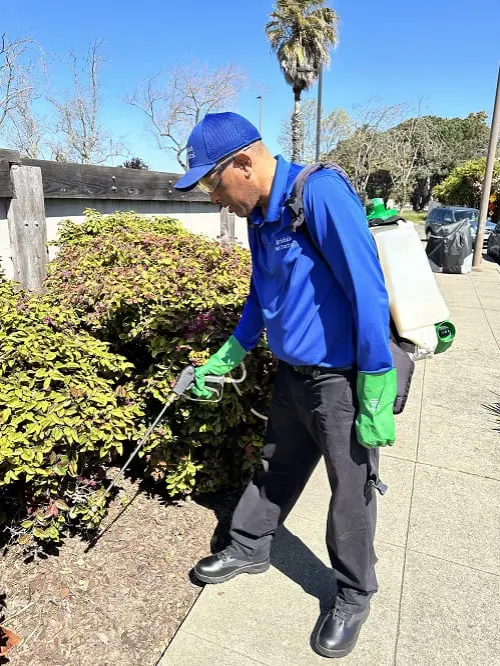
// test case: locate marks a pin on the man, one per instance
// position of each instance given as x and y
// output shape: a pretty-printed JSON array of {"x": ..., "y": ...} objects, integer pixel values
[{"x": 320, "y": 294}]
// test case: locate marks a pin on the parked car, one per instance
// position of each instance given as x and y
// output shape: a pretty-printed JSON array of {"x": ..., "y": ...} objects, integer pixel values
[
  {"x": 494, "y": 243},
  {"x": 450, "y": 214}
]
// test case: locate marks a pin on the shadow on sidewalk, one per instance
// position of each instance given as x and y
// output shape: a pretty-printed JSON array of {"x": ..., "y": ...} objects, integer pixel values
[
  {"x": 289, "y": 554},
  {"x": 296, "y": 561}
]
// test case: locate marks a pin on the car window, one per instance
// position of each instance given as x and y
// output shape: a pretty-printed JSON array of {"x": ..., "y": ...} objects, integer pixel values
[
  {"x": 438, "y": 215},
  {"x": 497, "y": 228},
  {"x": 466, "y": 215},
  {"x": 448, "y": 216}
]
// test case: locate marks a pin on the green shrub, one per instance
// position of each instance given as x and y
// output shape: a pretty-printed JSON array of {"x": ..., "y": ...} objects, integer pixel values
[
  {"x": 463, "y": 187},
  {"x": 86, "y": 367},
  {"x": 64, "y": 414},
  {"x": 165, "y": 298}
]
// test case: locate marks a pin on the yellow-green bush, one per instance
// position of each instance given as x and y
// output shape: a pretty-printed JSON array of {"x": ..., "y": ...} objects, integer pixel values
[
  {"x": 85, "y": 368},
  {"x": 64, "y": 414}
]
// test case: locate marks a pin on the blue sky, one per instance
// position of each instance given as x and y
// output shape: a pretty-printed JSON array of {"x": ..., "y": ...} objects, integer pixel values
[{"x": 445, "y": 53}]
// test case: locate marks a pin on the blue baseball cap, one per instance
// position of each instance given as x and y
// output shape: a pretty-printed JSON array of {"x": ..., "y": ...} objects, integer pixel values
[{"x": 215, "y": 137}]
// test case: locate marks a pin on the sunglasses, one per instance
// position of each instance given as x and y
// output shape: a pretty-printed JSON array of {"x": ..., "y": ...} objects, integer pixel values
[{"x": 212, "y": 180}]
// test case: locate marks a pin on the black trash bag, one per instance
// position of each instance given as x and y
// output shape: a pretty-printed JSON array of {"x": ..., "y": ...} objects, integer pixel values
[
  {"x": 449, "y": 249},
  {"x": 494, "y": 244}
]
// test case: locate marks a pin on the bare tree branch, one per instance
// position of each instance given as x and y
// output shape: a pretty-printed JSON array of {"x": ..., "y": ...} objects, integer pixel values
[
  {"x": 24, "y": 129},
  {"x": 335, "y": 126},
  {"x": 79, "y": 134},
  {"x": 365, "y": 151},
  {"x": 22, "y": 73},
  {"x": 176, "y": 101},
  {"x": 404, "y": 144},
  {"x": 16, "y": 74}
]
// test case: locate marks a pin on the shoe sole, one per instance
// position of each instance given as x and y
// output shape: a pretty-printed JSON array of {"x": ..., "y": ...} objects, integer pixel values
[
  {"x": 256, "y": 568},
  {"x": 338, "y": 654}
]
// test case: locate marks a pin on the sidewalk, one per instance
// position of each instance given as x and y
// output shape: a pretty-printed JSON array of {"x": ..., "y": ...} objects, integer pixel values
[{"x": 437, "y": 539}]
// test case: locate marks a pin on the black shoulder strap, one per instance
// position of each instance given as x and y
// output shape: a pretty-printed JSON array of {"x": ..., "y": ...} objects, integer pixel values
[
  {"x": 296, "y": 200},
  {"x": 399, "y": 348}
]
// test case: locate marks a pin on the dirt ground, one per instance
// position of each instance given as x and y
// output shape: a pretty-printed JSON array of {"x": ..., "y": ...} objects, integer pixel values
[{"x": 120, "y": 603}]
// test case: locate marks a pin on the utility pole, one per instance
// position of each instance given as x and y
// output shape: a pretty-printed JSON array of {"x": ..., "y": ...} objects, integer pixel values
[
  {"x": 260, "y": 114},
  {"x": 318, "y": 117},
  {"x": 488, "y": 176}
]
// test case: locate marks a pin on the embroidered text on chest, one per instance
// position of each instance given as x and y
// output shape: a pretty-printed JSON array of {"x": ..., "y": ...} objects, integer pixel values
[{"x": 285, "y": 242}]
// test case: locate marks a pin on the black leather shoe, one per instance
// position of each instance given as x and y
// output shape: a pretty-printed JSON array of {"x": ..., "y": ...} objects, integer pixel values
[
  {"x": 339, "y": 632},
  {"x": 225, "y": 565}
]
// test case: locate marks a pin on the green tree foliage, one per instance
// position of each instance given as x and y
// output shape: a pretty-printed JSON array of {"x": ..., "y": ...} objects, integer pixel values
[
  {"x": 135, "y": 163},
  {"x": 407, "y": 159},
  {"x": 463, "y": 187}
]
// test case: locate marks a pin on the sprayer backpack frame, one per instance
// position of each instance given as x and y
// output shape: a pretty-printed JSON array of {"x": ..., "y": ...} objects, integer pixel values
[{"x": 400, "y": 348}]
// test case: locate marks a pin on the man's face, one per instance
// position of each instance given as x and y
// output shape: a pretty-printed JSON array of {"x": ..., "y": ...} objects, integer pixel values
[{"x": 234, "y": 184}]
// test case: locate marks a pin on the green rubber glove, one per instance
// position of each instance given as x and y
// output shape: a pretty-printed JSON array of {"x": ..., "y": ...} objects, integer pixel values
[
  {"x": 223, "y": 361},
  {"x": 375, "y": 421}
]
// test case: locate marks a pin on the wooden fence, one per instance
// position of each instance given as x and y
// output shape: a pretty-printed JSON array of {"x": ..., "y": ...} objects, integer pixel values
[{"x": 26, "y": 186}]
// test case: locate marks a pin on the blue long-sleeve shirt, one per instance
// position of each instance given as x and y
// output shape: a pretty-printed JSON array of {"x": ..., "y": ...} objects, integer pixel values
[{"x": 319, "y": 292}]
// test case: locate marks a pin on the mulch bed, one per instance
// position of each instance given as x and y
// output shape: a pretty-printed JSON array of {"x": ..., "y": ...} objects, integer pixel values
[{"x": 121, "y": 602}]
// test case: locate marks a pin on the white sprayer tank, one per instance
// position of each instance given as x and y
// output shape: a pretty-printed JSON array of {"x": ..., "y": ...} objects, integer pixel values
[{"x": 415, "y": 300}]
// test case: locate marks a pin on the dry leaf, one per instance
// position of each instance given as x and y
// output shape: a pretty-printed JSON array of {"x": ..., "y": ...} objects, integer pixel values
[{"x": 8, "y": 640}]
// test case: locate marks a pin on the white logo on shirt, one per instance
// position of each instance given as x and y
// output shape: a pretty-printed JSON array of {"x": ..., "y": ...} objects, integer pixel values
[{"x": 285, "y": 243}]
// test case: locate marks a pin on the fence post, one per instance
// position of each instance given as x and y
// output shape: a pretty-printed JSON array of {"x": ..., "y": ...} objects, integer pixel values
[
  {"x": 227, "y": 227},
  {"x": 27, "y": 227}
]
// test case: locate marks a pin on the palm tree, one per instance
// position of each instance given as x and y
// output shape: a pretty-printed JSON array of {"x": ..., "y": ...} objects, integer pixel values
[{"x": 301, "y": 33}]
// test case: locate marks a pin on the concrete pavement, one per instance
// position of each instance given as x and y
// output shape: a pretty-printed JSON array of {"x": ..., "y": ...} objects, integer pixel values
[{"x": 437, "y": 539}]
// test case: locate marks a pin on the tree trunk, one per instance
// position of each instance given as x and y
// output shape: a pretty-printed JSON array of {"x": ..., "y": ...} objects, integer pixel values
[{"x": 297, "y": 136}]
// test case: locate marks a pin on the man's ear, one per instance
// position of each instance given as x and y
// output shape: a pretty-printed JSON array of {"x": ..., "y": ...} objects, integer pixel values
[{"x": 243, "y": 161}]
